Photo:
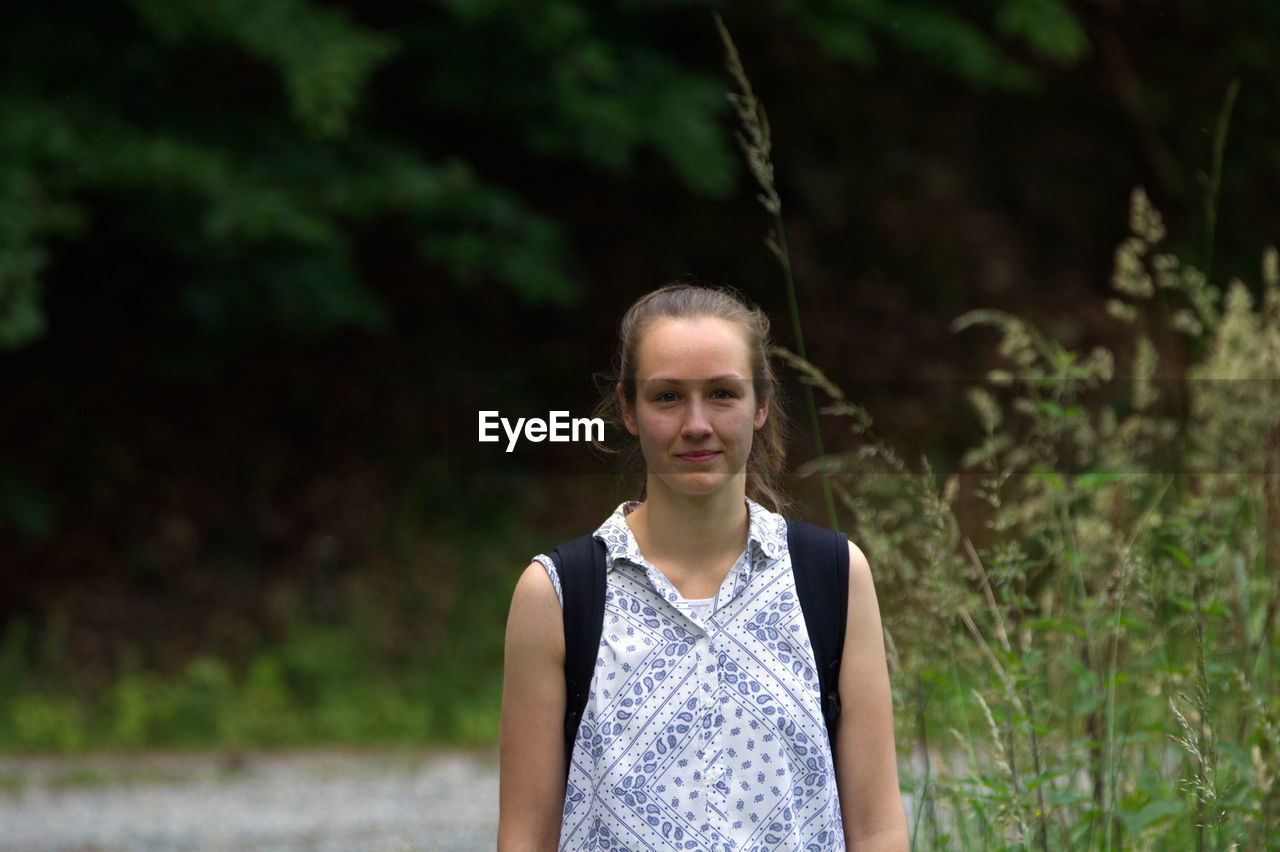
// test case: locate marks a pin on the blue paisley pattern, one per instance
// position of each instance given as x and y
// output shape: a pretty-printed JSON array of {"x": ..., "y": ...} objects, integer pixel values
[{"x": 702, "y": 733}]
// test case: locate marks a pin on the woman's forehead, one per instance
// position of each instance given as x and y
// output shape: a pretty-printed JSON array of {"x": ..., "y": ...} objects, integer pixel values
[{"x": 701, "y": 349}]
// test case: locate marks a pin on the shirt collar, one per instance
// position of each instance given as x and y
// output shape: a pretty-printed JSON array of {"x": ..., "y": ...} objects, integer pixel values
[{"x": 766, "y": 536}]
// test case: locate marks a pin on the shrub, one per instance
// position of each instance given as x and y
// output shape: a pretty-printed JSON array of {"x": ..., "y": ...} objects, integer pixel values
[{"x": 1091, "y": 664}]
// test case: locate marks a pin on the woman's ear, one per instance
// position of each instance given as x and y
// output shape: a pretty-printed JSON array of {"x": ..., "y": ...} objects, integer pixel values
[
  {"x": 628, "y": 413},
  {"x": 762, "y": 414}
]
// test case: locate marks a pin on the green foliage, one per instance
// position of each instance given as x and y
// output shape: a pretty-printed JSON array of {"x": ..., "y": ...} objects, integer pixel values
[
  {"x": 1047, "y": 26},
  {"x": 1110, "y": 628},
  {"x": 322, "y": 59},
  {"x": 13, "y": 669},
  {"x": 27, "y": 217},
  {"x": 322, "y": 685},
  {"x": 575, "y": 83},
  {"x": 46, "y": 723},
  {"x": 249, "y": 155},
  {"x": 23, "y": 507},
  {"x": 946, "y": 39},
  {"x": 254, "y": 199},
  {"x": 393, "y": 664}
]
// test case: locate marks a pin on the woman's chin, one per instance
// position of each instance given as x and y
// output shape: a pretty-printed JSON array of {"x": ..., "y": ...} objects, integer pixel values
[{"x": 698, "y": 483}]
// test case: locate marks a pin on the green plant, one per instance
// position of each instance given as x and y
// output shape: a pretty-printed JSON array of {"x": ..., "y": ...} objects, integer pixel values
[
  {"x": 1116, "y": 597},
  {"x": 757, "y": 145},
  {"x": 1108, "y": 625},
  {"x": 410, "y": 655}
]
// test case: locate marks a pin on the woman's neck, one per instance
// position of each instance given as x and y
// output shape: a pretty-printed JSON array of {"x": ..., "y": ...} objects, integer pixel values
[{"x": 691, "y": 538}]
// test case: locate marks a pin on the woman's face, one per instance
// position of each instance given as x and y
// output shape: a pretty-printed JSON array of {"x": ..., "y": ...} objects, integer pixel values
[{"x": 695, "y": 410}]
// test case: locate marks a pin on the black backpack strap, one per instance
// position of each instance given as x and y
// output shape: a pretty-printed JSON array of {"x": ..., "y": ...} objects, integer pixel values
[
  {"x": 581, "y": 564},
  {"x": 820, "y": 564}
]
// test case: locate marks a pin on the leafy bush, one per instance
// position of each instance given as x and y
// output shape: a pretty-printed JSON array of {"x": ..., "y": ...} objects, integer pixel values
[
  {"x": 1087, "y": 607},
  {"x": 1093, "y": 648},
  {"x": 391, "y": 664}
]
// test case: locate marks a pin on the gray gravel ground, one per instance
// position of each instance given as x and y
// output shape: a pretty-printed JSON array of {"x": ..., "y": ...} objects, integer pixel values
[{"x": 313, "y": 800}]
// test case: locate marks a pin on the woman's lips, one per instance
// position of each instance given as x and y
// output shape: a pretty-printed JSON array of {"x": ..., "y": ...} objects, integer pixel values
[{"x": 698, "y": 456}]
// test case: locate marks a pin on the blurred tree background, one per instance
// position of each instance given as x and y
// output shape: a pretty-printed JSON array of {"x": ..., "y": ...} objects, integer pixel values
[{"x": 262, "y": 262}]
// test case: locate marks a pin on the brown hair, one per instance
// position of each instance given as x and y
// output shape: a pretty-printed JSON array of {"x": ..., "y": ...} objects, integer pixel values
[{"x": 693, "y": 301}]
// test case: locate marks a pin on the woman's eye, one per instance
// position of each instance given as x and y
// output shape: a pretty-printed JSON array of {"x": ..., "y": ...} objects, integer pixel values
[
  {"x": 666, "y": 396},
  {"x": 722, "y": 393}
]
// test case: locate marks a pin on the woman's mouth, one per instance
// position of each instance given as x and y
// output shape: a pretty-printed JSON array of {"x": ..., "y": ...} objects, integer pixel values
[{"x": 698, "y": 456}]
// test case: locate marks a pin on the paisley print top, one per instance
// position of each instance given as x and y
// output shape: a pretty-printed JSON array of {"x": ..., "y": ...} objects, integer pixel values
[{"x": 702, "y": 733}]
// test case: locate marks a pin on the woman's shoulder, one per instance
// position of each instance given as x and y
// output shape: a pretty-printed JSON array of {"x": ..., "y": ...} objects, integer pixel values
[
  {"x": 613, "y": 532},
  {"x": 537, "y": 582},
  {"x": 858, "y": 560}
]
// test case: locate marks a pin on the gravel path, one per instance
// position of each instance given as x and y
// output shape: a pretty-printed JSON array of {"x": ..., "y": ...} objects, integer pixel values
[{"x": 312, "y": 800}]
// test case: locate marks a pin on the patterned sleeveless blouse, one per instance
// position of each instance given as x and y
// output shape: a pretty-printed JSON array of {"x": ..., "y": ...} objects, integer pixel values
[{"x": 702, "y": 733}]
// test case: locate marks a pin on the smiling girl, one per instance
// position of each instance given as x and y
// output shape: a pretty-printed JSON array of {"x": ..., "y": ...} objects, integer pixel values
[{"x": 703, "y": 728}]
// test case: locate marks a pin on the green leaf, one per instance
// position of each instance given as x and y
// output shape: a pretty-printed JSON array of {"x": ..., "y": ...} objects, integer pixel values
[
  {"x": 21, "y": 316},
  {"x": 1084, "y": 675},
  {"x": 1047, "y": 775},
  {"x": 322, "y": 58},
  {"x": 1052, "y": 479},
  {"x": 953, "y": 44},
  {"x": 1047, "y": 26},
  {"x": 1093, "y": 481},
  {"x": 1207, "y": 560},
  {"x": 845, "y": 34},
  {"x": 27, "y": 217},
  {"x": 1067, "y": 797},
  {"x": 1048, "y": 624},
  {"x": 1179, "y": 555},
  {"x": 25, "y": 507},
  {"x": 1152, "y": 813}
]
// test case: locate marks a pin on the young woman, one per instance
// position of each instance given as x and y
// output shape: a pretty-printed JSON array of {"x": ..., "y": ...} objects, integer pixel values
[{"x": 703, "y": 728}]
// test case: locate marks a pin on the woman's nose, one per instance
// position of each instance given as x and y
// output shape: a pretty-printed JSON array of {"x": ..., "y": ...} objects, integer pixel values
[{"x": 695, "y": 421}]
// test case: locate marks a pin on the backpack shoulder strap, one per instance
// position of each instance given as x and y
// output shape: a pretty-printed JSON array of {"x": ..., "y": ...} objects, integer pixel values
[
  {"x": 581, "y": 564},
  {"x": 820, "y": 564}
]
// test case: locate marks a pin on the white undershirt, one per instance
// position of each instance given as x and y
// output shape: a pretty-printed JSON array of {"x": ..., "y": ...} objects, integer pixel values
[{"x": 700, "y": 609}]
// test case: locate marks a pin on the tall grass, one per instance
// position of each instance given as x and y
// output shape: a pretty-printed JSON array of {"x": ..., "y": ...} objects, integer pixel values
[
  {"x": 757, "y": 145},
  {"x": 1088, "y": 659}
]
